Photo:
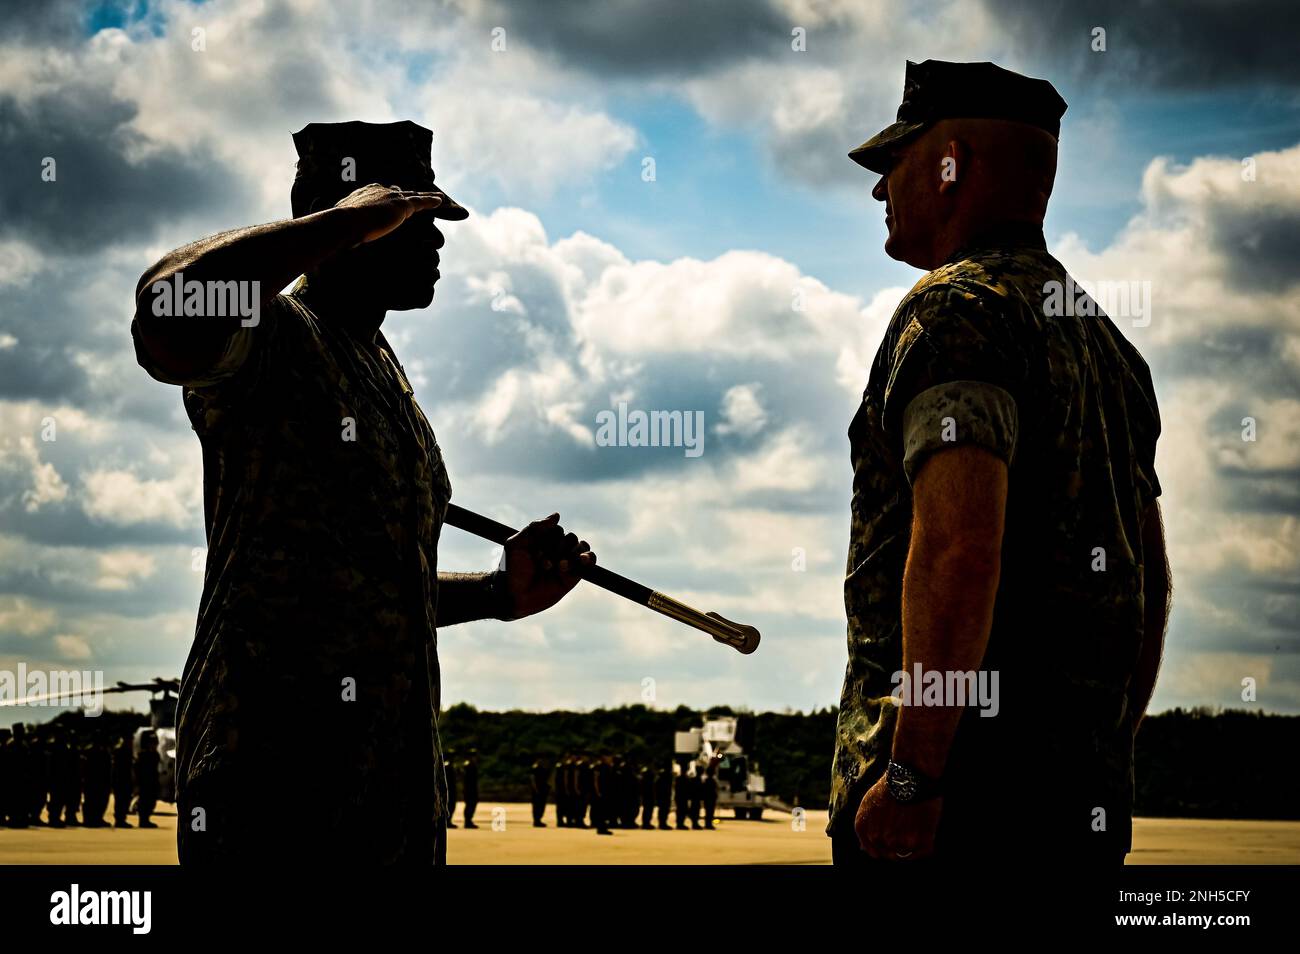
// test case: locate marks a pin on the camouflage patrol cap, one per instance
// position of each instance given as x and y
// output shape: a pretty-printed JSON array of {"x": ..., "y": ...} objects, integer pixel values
[
  {"x": 336, "y": 159},
  {"x": 936, "y": 90}
]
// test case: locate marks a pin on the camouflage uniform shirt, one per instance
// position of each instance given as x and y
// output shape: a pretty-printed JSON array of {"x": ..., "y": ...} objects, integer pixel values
[
  {"x": 1068, "y": 404},
  {"x": 313, "y": 678}
]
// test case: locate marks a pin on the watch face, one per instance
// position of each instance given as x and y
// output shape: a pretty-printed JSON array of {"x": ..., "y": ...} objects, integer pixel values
[{"x": 902, "y": 783}]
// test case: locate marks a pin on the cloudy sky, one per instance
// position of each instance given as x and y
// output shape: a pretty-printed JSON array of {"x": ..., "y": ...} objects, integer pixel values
[{"x": 745, "y": 280}]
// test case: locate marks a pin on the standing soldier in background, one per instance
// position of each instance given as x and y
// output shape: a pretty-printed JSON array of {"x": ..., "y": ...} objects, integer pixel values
[
  {"x": 647, "y": 797},
  {"x": 586, "y": 789},
  {"x": 6, "y": 777},
  {"x": 39, "y": 759},
  {"x": 57, "y": 754},
  {"x": 1004, "y": 511},
  {"x": 664, "y": 794},
  {"x": 541, "y": 772},
  {"x": 76, "y": 776},
  {"x": 469, "y": 777},
  {"x": 625, "y": 793},
  {"x": 20, "y": 762},
  {"x": 123, "y": 782},
  {"x": 146, "y": 778},
  {"x": 98, "y": 782},
  {"x": 571, "y": 792},
  {"x": 37, "y": 775},
  {"x": 631, "y": 795},
  {"x": 709, "y": 794},
  {"x": 616, "y": 794},
  {"x": 562, "y": 793},
  {"x": 682, "y": 795},
  {"x": 602, "y": 804},
  {"x": 450, "y": 761},
  {"x": 694, "y": 791},
  {"x": 68, "y": 778}
]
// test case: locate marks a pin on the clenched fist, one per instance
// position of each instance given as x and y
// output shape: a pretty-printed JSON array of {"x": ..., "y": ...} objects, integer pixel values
[{"x": 542, "y": 564}]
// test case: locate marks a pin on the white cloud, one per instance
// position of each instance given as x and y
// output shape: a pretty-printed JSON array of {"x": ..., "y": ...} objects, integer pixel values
[
  {"x": 20, "y": 454},
  {"x": 120, "y": 497},
  {"x": 18, "y": 263},
  {"x": 742, "y": 411},
  {"x": 72, "y": 648},
  {"x": 124, "y": 569},
  {"x": 581, "y": 324},
  {"x": 19, "y": 615}
]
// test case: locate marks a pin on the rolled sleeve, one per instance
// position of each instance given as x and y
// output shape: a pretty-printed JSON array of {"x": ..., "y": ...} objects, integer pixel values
[
  {"x": 959, "y": 413},
  {"x": 243, "y": 350}
]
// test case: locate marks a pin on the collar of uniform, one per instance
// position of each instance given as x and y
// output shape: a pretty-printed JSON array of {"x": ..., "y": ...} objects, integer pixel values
[
  {"x": 302, "y": 291},
  {"x": 1006, "y": 235}
]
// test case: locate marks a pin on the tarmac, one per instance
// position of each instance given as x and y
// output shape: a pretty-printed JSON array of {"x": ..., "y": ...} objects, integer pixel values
[{"x": 505, "y": 836}]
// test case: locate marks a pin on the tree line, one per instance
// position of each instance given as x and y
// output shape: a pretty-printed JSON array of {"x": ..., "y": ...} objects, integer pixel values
[{"x": 1191, "y": 763}]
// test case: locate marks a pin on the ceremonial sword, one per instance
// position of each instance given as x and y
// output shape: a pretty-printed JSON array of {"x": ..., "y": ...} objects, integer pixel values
[{"x": 736, "y": 635}]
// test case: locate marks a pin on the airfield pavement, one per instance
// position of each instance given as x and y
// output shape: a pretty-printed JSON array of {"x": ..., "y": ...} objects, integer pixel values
[{"x": 774, "y": 840}]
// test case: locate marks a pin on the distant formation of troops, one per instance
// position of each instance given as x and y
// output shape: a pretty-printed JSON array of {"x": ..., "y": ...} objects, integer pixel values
[
  {"x": 602, "y": 793},
  {"x": 50, "y": 776}
]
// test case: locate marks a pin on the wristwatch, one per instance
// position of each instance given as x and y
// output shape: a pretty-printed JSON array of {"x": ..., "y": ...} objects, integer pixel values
[
  {"x": 499, "y": 599},
  {"x": 907, "y": 786}
]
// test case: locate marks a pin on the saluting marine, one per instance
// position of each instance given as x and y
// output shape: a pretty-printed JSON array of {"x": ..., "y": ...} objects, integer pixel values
[{"x": 324, "y": 497}]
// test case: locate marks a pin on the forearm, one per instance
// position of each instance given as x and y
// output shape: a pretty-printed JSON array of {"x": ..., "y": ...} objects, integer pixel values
[
  {"x": 272, "y": 254},
  {"x": 948, "y": 599},
  {"x": 1143, "y": 685},
  {"x": 1157, "y": 590},
  {"x": 465, "y": 597}
]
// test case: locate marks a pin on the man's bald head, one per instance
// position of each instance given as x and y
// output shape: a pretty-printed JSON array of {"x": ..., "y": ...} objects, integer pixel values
[{"x": 962, "y": 177}]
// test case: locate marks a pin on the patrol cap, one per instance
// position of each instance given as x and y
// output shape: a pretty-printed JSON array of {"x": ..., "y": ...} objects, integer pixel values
[
  {"x": 937, "y": 89},
  {"x": 386, "y": 153}
]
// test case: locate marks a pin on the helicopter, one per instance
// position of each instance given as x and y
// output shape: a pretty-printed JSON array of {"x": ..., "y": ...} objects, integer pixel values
[{"x": 162, "y": 722}]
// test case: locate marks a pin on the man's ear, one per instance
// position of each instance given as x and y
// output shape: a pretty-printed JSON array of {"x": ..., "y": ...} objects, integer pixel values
[{"x": 952, "y": 164}]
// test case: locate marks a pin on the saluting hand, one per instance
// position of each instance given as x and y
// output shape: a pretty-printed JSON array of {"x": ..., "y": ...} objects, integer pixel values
[{"x": 382, "y": 209}]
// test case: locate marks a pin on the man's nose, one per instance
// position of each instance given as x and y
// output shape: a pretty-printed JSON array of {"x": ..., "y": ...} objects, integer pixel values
[
  {"x": 438, "y": 238},
  {"x": 878, "y": 193}
]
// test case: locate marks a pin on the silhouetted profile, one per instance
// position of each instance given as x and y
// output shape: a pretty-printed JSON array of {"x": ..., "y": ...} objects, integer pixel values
[
  {"x": 314, "y": 673},
  {"x": 1004, "y": 493}
]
